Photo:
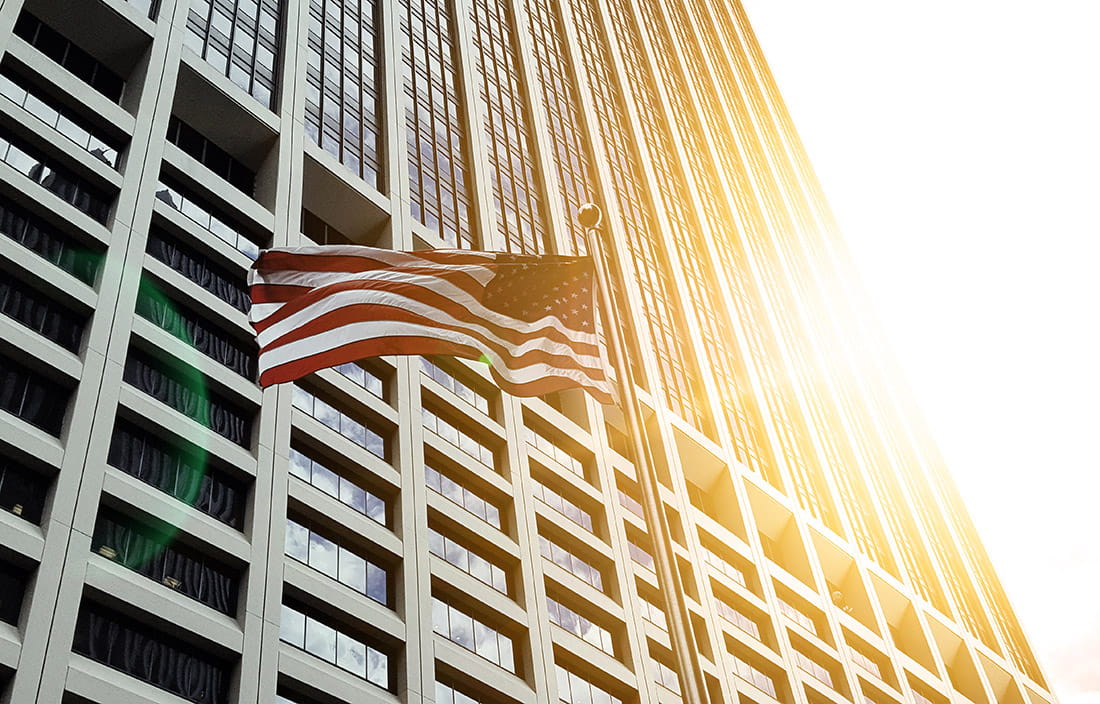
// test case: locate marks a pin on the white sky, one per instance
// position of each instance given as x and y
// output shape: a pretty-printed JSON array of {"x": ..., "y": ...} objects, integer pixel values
[{"x": 958, "y": 144}]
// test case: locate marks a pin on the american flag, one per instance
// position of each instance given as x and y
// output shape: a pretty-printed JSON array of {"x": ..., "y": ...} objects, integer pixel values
[{"x": 531, "y": 317}]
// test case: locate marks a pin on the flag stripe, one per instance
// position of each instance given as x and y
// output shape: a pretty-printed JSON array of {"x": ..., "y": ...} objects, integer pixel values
[
  {"x": 328, "y": 337},
  {"x": 389, "y": 345},
  {"x": 529, "y": 316},
  {"x": 399, "y": 291}
]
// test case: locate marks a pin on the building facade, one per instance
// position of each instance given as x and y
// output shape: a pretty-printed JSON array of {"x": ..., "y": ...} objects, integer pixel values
[{"x": 398, "y": 530}]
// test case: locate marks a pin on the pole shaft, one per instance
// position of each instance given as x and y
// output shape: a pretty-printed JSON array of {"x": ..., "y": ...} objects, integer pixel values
[{"x": 691, "y": 675}]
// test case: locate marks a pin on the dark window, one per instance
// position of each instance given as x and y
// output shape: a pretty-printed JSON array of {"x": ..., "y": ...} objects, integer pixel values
[
  {"x": 320, "y": 231},
  {"x": 210, "y": 219},
  {"x": 33, "y": 398},
  {"x": 61, "y": 119},
  {"x": 152, "y": 657},
  {"x": 41, "y": 314},
  {"x": 343, "y": 78},
  {"x": 520, "y": 218},
  {"x": 22, "y": 491},
  {"x": 252, "y": 60},
  {"x": 79, "y": 62},
  {"x": 48, "y": 242},
  {"x": 156, "y": 554},
  {"x": 439, "y": 178},
  {"x": 195, "y": 331},
  {"x": 211, "y": 155},
  {"x": 186, "y": 390},
  {"x": 179, "y": 469},
  {"x": 199, "y": 268},
  {"x": 13, "y": 582},
  {"x": 58, "y": 180}
]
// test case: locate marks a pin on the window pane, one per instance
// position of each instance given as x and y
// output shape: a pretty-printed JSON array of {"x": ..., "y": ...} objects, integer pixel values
[
  {"x": 353, "y": 571},
  {"x": 322, "y": 554},
  {"x": 485, "y": 642},
  {"x": 462, "y": 629},
  {"x": 321, "y": 640},
  {"x": 292, "y": 627},
  {"x": 378, "y": 668},
  {"x": 297, "y": 541},
  {"x": 377, "y": 584},
  {"x": 351, "y": 655}
]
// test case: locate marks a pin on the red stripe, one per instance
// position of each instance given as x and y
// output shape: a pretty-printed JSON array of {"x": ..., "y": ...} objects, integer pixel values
[
  {"x": 332, "y": 322},
  {"x": 276, "y": 293},
  {"x": 263, "y": 292},
  {"x": 277, "y": 260},
  {"x": 362, "y": 349},
  {"x": 421, "y": 294}
]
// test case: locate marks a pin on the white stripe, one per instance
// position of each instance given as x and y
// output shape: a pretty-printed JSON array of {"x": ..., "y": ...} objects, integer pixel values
[
  {"x": 530, "y": 344},
  {"x": 376, "y": 329},
  {"x": 431, "y": 283},
  {"x": 317, "y": 279},
  {"x": 388, "y": 257}
]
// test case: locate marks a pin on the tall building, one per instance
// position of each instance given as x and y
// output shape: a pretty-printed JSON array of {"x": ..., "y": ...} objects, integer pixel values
[{"x": 398, "y": 530}]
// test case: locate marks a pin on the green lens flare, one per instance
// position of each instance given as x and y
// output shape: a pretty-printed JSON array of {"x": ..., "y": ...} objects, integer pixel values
[{"x": 191, "y": 460}]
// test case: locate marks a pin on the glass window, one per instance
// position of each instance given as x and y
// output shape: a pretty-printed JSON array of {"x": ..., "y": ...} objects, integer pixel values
[
  {"x": 472, "y": 634},
  {"x": 337, "y": 561}
]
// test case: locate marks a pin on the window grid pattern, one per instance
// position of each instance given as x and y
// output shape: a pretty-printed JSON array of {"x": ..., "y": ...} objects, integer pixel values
[
  {"x": 754, "y": 676},
  {"x": 737, "y": 399},
  {"x": 465, "y": 559},
  {"x": 334, "y": 647},
  {"x": 568, "y": 619},
  {"x": 337, "y": 486},
  {"x": 570, "y": 562},
  {"x": 521, "y": 220},
  {"x": 434, "y": 121},
  {"x": 60, "y": 119},
  {"x": 459, "y": 438},
  {"x": 337, "y": 561},
  {"x": 574, "y": 689},
  {"x": 737, "y": 618},
  {"x": 475, "y": 398},
  {"x": 665, "y": 675},
  {"x": 241, "y": 40},
  {"x": 71, "y": 57},
  {"x": 562, "y": 505},
  {"x": 572, "y": 154},
  {"x": 352, "y": 429},
  {"x": 660, "y": 305},
  {"x": 48, "y": 242},
  {"x": 42, "y": 314},
  {"x": 641, "y": 556},
  {"x": 811, "y": 486},
  {"x": 456, "y": 493},
  {"x": 59, "y": 180},
  {"x": 470, "y": 633},
  {"x": 343, "y": 94},
  {"x": 364, "y": 379},
  {"x": 818, "y": 672},
  {"x": 28, "y": 395},
  {"x": 561, "y": 456},
  {"x": 208, "y": 219},
  {"x": 795, "y": 445},
  {"x": 652, "y": 613},
  {"x": 721, "y": 565},
  {"x": 157, "y": 555}
]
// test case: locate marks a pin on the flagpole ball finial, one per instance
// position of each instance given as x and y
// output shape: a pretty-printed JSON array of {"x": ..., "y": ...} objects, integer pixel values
[{"x": 589, "y": 216}]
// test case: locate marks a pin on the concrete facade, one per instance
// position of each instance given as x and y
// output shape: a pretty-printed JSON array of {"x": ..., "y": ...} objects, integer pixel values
[{"x": 400, "y": 530}]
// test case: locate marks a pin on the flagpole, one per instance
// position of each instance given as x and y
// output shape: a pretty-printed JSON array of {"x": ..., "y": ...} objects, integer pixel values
[{"x": 590, "y": 216}]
